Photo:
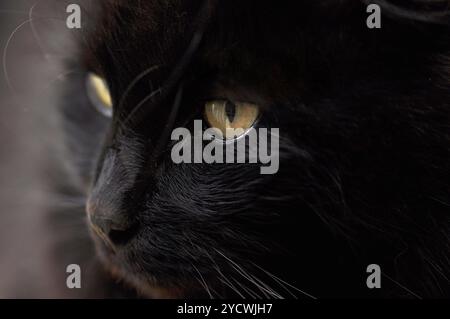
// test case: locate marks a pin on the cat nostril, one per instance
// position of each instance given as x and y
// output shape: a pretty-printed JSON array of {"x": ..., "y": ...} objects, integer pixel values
[
  {"x": 117, "y": 231},
  {"x": 122, "y": 236}
]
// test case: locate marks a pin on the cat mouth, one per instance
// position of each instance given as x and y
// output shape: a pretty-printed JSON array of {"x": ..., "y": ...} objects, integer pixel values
[
  {"x": 119, "y": 254},
  {"x": 117, "y": 264},
  {"x": 144, "y": 288}
]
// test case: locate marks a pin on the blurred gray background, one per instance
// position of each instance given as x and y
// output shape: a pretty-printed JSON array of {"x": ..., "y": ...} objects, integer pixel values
[{"x": 32, "y": 47}]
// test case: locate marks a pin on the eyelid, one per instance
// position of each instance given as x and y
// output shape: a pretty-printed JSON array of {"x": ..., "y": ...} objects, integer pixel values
[
  {"x": 261, "y": 105},
  {"x": 215, "y": 89}
]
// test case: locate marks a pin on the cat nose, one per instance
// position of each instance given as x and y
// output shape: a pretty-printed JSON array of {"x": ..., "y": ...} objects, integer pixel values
[{"x": 114, "y": 227}]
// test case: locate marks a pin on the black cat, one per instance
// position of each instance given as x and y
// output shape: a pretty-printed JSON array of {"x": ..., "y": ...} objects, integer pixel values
[{"x": 364, "y": 159}]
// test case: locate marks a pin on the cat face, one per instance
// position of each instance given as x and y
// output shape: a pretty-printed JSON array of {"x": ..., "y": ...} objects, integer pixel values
[{"x": 361, "y": 151}]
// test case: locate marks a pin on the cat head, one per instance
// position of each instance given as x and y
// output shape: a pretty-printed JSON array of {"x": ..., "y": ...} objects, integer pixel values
[{"x": 362, "y": 118}]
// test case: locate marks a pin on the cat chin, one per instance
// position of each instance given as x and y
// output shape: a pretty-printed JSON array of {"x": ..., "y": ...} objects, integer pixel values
[
  {"x": 148, "y": 290},
  {"x": 155, "y": 292},
  {"x": 144, "y": 283},
  {"x": 144, "y": 287}
]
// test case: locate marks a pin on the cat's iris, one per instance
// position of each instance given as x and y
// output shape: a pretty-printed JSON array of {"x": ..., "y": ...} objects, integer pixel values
[
  {"x": 224, "y": 114},
  {"x": 99, "y": 94}
]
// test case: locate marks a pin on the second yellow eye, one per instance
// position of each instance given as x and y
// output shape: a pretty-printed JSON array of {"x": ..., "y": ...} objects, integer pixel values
[
  {"x": 99, "y": 94},
  {"x": 231, "y": 117}
]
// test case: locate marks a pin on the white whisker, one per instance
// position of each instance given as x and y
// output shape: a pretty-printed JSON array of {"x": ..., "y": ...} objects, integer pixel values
[
  {"x": 254, "y": 280},
  {"x": 282, "y": 283},
  {"x": 205, "y": 285}
]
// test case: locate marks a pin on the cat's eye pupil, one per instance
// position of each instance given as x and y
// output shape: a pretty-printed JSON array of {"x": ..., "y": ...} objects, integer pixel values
[
  {"x": 230, "y": 119},
  {"x": 230, "y": 111}
]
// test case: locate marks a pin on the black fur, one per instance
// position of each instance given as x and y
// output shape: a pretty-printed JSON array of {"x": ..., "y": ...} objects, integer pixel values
[{"x": 364, "y": 118}]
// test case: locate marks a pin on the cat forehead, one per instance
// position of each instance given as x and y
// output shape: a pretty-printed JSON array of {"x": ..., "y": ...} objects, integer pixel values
[
  {"x": 162, "y": 16},
  {"x": 119, "y": 17},
  {"x": 166, "y": 17},
  {"x": 156, "y": 31},
  {"x": 141, "y": 29},
  {"x": 155, "y": 27}
]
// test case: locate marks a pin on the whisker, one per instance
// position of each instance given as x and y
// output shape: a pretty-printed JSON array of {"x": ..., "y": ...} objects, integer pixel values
[
  {"x": 180, "y": 67},
  {"x": 222, "y": 277},
  {"x": 254, "y": 280},
  {"x": 401, "y": 286},
  {"x": 173, "y": 78},
  {"x": 33, "y": 30},
  {"x": 134, "y": 82},
  {"x": 282, "y": 283},
  {"x": 205, "y": 285},
  {"x": 5, "y": 52},
  {"x": 228, "y": 284},
  {"x": 249, "y": 291}
]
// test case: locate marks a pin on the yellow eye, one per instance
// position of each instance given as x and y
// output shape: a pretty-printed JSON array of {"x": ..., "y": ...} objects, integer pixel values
[
  {"x": 231, "y": 119},
  {"x": 99, "y": 94}
]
